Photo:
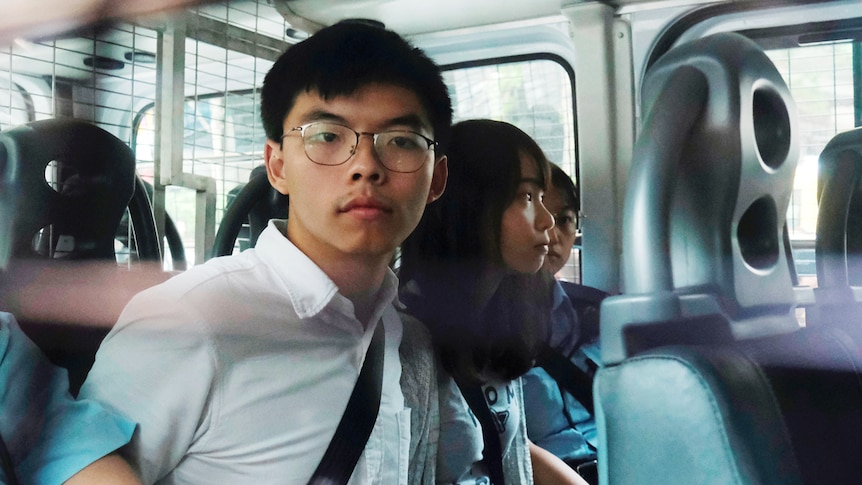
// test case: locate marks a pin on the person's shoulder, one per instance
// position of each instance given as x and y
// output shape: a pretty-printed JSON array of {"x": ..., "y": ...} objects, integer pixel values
[
  {"x": 586, "y": 301},
  {"x": 7, "y": 324},
  {"x": 415, "y": 337},
  {"x": 16, "y": 348},
  {"x": 208, "y": 282},
  {"x": 577, "y": 292},
  {"x": 214, "y": 272},
  {"x": 418, "y": 365}
]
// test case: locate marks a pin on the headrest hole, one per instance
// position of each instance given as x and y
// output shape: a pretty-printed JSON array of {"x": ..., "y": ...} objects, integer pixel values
[
  {"x": 66, "y": 179},
  {"x": 771, "y": 127},
  {"x": 757, "y": 234}
]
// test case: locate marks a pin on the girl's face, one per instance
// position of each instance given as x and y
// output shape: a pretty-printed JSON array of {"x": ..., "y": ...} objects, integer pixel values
[
  {"x": 563, "y": 234},
  {"x": 524, "y": 233}
]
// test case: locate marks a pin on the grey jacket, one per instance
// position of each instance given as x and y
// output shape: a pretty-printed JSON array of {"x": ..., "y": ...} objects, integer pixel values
[{"x": 419, "y": 386}]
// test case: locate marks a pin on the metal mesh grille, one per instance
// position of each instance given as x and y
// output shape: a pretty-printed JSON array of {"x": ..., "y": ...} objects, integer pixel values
[{"x": 229, "y": 48}]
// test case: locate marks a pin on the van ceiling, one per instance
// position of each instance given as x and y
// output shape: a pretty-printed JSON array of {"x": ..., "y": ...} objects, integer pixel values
[{"x": 410, "y": 17}]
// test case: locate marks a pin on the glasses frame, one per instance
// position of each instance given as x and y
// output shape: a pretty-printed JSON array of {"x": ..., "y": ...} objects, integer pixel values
[{"x": 301, "y": 129}]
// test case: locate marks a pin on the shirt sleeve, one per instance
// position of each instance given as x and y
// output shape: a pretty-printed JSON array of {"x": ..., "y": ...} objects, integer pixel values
[
  {"x": 556, "y": 421},
  {"x": 48, "y": 434},
  {"x": 157, "y": 367},
  {"x": 543, "y": 405}
]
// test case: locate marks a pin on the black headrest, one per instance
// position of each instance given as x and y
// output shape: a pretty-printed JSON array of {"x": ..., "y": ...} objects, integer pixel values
[
  {"x": 255, "y": 203},
  {"x": 73, "y": 180}
]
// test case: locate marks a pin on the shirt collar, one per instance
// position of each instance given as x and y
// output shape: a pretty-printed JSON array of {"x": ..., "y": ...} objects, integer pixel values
[{"x": 309, "y": 288}]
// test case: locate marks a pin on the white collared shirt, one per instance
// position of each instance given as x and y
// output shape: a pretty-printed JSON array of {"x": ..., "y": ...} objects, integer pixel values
[{"x": 238, "y": 371}]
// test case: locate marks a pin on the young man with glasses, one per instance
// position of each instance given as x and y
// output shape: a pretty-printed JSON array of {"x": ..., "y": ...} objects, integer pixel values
[{"x": 239, "y": 370}]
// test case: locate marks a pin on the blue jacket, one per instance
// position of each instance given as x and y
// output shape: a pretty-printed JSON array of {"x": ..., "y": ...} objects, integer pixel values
[{"x": 556, "y": 421}]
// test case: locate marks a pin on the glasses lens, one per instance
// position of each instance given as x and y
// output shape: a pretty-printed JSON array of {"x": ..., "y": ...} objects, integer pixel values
[
  {"x": 566, "y": 222},
  {"x": 328, "y": 143},
  {"x": 402, "y": 151}
]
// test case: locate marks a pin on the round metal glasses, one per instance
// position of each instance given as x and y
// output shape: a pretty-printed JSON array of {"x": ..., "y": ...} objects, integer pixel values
[{"x": 328, "y": 143}]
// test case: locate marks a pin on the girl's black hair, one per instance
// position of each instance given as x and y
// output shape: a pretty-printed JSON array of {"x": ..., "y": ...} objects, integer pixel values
[{"x": 487, "y": 321}]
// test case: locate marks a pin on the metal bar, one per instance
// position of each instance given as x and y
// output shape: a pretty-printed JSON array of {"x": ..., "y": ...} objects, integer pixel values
[
  {"x": 205, "y": 205},
  {"x": 235, "y": 39},
  {"x": 602, "y": 186},
  {"x": 857, "y": 83}
]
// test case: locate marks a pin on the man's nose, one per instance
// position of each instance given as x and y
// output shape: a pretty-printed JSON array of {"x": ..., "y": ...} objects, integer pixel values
[{"x": 365, "y": 162}]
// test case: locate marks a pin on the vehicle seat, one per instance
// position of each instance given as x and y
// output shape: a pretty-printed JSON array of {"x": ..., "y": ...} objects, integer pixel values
[
  {"x": 72, "y": 181},
  {"x": 254, "y": 204},
  {"x": 172, "y": 240},
  {"x": 75, "y": 181},
  {"x": 709, "y": 378},
  {"x": 838, "y": 247}
]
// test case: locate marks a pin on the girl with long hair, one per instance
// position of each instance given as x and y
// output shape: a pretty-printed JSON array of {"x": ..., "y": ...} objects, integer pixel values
[{"x": 470, "y": 272}]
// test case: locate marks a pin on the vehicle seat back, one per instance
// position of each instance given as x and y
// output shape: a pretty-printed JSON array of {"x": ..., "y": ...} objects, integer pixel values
[
  {"x": 254, "y": 205},
  {"x": 838, "y": 247},
  {"x": 93, "y": 178},
  {"x": 708, "y": 376}
]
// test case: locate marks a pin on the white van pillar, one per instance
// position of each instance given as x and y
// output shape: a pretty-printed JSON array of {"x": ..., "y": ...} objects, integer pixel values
[
  {"x": 170, "y": 108},
  {"x": 605, "y": 112}
]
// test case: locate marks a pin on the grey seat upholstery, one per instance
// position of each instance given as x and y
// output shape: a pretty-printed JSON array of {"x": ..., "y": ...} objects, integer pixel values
[{"x": 709, "y": 377}]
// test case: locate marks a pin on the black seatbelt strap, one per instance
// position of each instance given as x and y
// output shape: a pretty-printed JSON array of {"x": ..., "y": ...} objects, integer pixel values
[
  {"x": 492, "y": 454},
  {"x": 569, "y": 377},
  {"x": 358, "y": 419}
]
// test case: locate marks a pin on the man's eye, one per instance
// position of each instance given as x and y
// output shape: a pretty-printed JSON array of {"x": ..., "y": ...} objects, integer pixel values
[
  {"x": 323, "y": 137},
  {"x": 405, "y": 142}
]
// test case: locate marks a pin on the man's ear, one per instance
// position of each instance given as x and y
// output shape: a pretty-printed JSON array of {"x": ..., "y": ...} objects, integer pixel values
[
  {"x": 274, "y": 161},
  {"x": 438, "y": 179}
]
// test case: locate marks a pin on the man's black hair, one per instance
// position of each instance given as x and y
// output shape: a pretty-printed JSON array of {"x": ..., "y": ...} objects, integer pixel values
[
  {"x": 564, "y": 184},
  {"x": 344, "y": 57}
]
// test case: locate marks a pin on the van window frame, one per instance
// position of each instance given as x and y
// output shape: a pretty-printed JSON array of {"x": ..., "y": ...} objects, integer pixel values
[{"x": 496, "y": 61}]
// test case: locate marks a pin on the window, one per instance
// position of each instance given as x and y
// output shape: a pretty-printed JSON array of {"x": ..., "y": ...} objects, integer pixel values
[
  {"x": 820, "y": 78},
  {"x": 15, "y": 107},
  {"x": 228, "y": 50},
  {"x": 98, "y": 76},
  {"x": 223, "y": 139},
  {"x": 534, "y": 95}
]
